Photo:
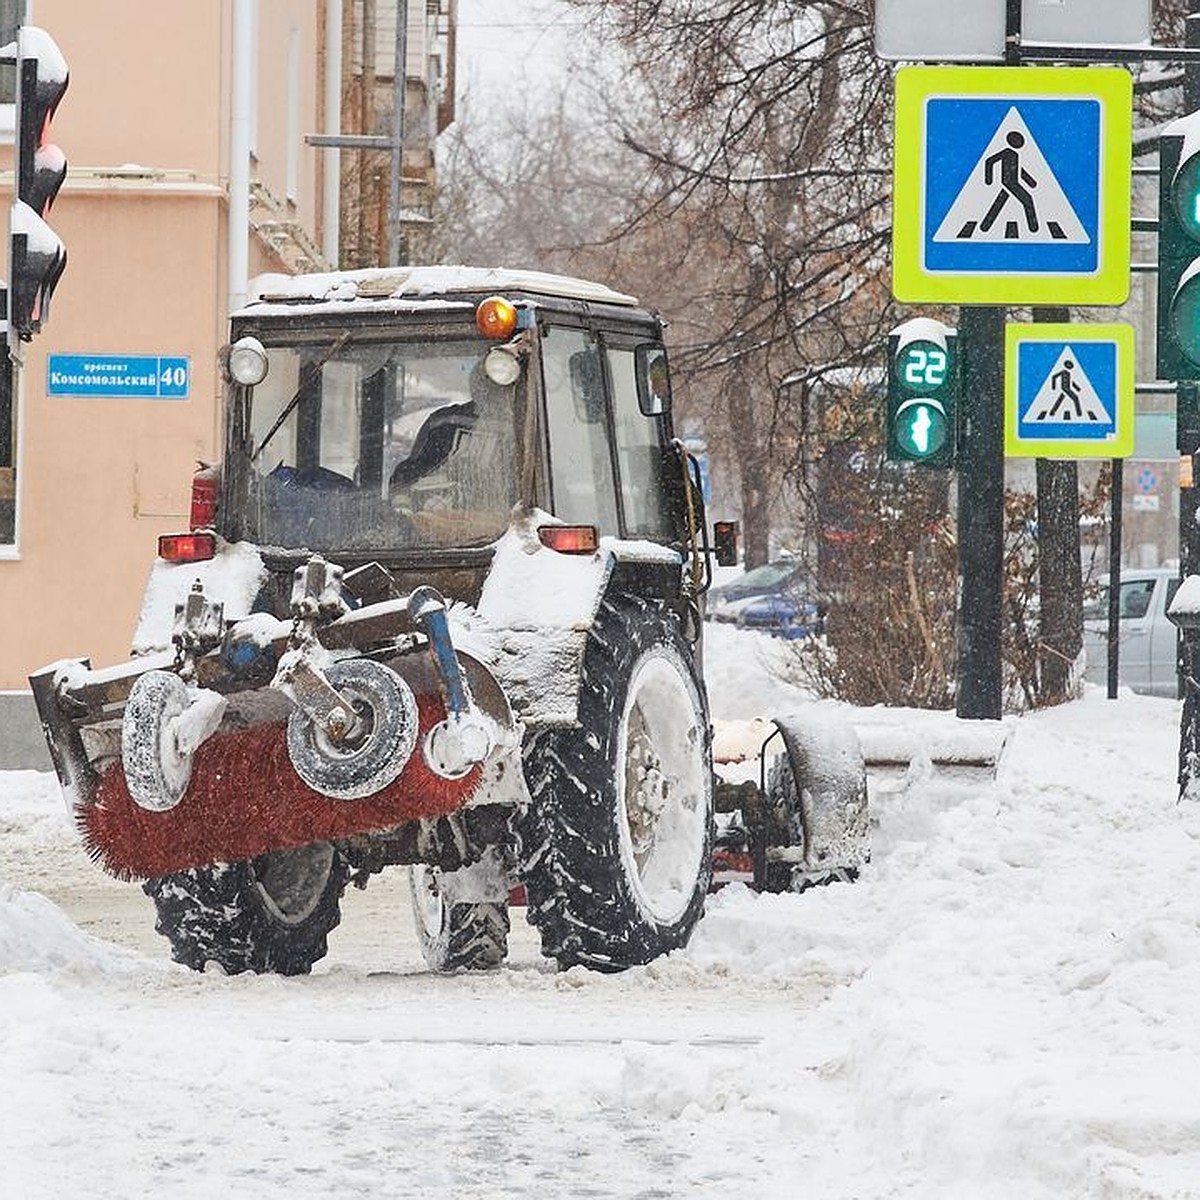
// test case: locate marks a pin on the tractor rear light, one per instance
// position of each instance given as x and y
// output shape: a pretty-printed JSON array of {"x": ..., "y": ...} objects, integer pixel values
[
  {"x": 204, "y": 500},
  {"x": 569, "y": 539},
  {"x": 496, "y": 318},
  {"x": 187, "y": 547}
]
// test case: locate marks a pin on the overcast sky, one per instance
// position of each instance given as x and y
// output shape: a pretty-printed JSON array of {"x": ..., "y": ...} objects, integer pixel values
[{"x": 513, "y": 44}]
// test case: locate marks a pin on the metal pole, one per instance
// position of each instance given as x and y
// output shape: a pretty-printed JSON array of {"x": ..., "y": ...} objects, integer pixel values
[
  {"x": 399, "y": 84},
  {"x": 244, "y": 72},
  {"x": 331, "y": 197},
  {"x": 1116, "y": 504},
  {"x": 1187, "y": 407},
  {"x": 980, "y": 690},
  {"x": 981, "y": 513}
]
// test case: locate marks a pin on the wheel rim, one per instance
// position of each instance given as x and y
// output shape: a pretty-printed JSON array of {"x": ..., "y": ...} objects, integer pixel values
[
  {"x": 428, "y": 904},
  {"x": 292, "y": 882},
  {"x": 663, "y": 788}
]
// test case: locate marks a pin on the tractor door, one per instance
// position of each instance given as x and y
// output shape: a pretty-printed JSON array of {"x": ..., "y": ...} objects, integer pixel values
[{"x": 607, "y": 433}]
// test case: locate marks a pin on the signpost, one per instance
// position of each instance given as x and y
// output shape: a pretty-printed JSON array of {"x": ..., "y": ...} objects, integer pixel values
[
  {"x": 1069, "y": 391},
  {"x": 1012, "y": 186}
]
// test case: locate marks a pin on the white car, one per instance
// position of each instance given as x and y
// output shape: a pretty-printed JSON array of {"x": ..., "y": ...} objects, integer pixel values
[{"x": 1147, "y": 653}]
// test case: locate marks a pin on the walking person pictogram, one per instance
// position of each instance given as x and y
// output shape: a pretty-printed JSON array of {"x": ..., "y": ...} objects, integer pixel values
[
  {"x": 1015, "y": 182},
  {"x": 1067, "y": 391}
]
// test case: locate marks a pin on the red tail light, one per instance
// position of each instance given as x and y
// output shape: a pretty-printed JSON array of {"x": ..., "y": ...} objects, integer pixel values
[
  {"x": 187, "y": 547},
  {"x": 569, "y": 539},
  {"x": 204, "y": 500}
]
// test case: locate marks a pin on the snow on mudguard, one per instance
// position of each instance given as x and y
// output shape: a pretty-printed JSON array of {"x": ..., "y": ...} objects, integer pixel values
[{"x": 245, "y": 799}]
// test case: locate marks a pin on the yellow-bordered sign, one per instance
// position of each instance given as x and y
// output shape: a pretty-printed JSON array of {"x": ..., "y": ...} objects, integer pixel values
[
  {"x": 1012, "y": 185},
  {"x": 1068, "y": 391}
]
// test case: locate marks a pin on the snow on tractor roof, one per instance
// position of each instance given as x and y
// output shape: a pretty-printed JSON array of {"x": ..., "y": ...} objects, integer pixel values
[{"x": 416, "y": 283}]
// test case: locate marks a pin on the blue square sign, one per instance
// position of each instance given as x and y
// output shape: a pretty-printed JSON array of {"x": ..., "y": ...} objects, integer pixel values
[{"x": 1069, "y": 391}]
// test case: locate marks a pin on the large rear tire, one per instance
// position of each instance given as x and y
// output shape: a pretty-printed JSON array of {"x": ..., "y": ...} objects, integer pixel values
[
  {"x": 456, "y": 936},
  {"x": 270, "y": 915},
  {"x": 617, "y": 845}
]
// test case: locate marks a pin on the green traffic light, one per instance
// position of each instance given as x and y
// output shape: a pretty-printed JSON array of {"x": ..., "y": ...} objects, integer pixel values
[
  {"x": 1185, "y": 318},
  {"x": 920, "y": 428},
  {"x": 1185, "y": 196}
]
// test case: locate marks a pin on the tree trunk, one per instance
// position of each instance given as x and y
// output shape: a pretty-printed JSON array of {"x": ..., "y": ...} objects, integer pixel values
[
  {"x": 1059, "y": 575},
  {"x": 1060, "y": 579},
  {"x": 753, "y": 465}
]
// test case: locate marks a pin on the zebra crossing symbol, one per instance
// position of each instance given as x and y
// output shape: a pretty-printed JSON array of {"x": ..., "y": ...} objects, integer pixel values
[
  {"x": 1069, "y": 391},
  {"x": 1011, "y": 195},
  {"x": 1067, "y": 400}
]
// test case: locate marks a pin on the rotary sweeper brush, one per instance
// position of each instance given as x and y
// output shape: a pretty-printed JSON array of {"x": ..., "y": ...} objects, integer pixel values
[{"x": 441, "y": 606}]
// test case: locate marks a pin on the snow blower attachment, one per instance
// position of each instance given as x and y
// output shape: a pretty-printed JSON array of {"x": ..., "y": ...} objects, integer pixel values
[{"x": 440, "y": 607}]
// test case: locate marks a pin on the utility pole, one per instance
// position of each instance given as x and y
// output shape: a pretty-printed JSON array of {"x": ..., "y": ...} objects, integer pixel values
[
  {"x": 1187, "y": 434},
  {"x": 980, "y": 690},
  {"x": 399, "y": 99}
]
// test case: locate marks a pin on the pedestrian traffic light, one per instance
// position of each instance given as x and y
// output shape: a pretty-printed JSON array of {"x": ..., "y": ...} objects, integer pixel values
[
  {"x": 922, "y": 393},
  {"x": 1179, "y": 254},
  {"x": 36, "y": 256}
]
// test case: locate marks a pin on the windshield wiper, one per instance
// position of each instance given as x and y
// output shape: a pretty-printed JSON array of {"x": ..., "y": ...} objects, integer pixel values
[{"x": 313, "y": 371}]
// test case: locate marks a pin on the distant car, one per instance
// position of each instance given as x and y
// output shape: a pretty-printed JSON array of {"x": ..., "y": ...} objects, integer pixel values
[
  {"x": 769, "y": 598},
  {"x": 1146, "y": 661}
]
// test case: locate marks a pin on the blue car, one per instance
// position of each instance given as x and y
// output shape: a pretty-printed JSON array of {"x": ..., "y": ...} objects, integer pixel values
[{"x": 768, "y": 598}]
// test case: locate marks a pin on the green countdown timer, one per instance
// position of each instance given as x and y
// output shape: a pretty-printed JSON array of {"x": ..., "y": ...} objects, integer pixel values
[
  {"x": 922, "y": 367},
  {"x": 921, "y": 428}
]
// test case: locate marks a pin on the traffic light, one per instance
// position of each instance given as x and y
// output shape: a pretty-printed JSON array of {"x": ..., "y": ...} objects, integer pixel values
[
  {"x": 36, "y": 256},
  {"x": 1179, "y": 257},
  {"x": 922, "y": 393}
]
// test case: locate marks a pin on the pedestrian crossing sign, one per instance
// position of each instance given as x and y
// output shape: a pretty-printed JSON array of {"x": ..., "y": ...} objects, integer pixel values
[
  {"x": 1012, "y": 185},
  {"x": 1068, "y": 391}
]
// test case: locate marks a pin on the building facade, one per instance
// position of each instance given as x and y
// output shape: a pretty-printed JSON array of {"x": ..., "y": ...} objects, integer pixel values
[{"x": 163, "y": 226}]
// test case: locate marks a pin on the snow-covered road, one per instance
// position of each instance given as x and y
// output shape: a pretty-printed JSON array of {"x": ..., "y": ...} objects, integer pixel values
[{"x": 1004, "y": 1007}]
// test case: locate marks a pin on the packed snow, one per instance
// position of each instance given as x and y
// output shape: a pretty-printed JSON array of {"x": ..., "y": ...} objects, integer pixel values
[{"x": 1002, "y": 1007}]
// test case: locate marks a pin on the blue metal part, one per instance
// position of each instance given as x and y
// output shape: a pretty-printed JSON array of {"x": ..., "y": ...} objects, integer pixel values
[{"x": 428, "y": 609}]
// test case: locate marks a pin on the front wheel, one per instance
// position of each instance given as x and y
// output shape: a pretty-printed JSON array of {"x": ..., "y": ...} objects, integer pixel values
[
  {"x": 618, "y": 840},
  {"x": 456, "y": 935},
  {"x": 270, "y": 914}
]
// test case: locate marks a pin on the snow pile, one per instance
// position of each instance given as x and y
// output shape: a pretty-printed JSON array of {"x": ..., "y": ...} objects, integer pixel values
[
  {"x": 1011, "y": 986},
  {"x": 36, "y": 935},
  {"x": 1003, "y": 1006}
]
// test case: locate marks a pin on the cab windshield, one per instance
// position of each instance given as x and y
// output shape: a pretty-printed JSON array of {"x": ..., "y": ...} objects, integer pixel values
[{"x": 380, "y": 445}]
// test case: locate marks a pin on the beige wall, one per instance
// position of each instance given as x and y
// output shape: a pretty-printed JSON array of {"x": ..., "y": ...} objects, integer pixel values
[{"x": 99, "y": 480}]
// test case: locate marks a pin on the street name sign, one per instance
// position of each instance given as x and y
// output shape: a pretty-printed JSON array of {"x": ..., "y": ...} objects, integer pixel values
[
  {"x": 1012, "y": 185},
  {"x": 1068, "y": 391},
  {"x": 118, "y": 376},
  {"x": 974, "y": 30}
]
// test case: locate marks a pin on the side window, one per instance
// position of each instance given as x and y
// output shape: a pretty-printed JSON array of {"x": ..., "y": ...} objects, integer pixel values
[
  {"x": 1135, "y": 598},
  {"x": 581, "y": 475},
  {"x": 639, "y": 452}
]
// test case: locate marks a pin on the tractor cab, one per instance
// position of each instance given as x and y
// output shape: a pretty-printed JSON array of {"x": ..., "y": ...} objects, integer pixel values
[{"x": 401, "y": 416}]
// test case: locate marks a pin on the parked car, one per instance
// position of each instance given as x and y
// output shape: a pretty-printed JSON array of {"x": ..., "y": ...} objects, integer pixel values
[
  {"x": 1146, "y": 660},
  {"x": 770, "y": 598}
]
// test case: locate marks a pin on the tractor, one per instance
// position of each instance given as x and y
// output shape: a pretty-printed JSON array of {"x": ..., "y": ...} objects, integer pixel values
[{"x": 439, "y": 606}]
